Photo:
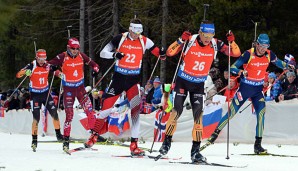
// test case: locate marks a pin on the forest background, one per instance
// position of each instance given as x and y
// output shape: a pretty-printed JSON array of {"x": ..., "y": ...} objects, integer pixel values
[{"x": 47, "y": 24}]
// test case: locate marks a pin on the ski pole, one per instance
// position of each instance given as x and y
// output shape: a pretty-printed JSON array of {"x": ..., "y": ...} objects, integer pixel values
[
  {"x": 50, "y": 89},
  {"x": 154, "y": 67},
  {"x": 97, "y": 83},
  {"x": 229, "y": 82},
  {"x": 60, "y": 93},
  {"x": 181, "y": 55},
  {"x": 17, "y": 88}
]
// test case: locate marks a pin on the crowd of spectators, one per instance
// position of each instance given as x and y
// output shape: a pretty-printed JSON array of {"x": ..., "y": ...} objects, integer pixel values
[{"x": 279, "y": 85}]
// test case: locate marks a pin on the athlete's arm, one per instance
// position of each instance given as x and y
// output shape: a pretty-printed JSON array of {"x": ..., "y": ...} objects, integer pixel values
[
  {"x": 243, "y": 59},
  {"x": 108, "y": 51},
  {"x": 58, "y": 60},
  {"x": 234, "y": 49},
  {"x": 277, "y": 62}
]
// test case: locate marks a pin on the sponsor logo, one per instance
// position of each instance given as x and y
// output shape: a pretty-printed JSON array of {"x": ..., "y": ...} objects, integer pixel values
[
  {"x": 40, "y": 72},
  {"x": 239, "y": 96},
  {"x": 75, "y": 64},
  {"x": 131, "y": 47},
  {"x": 200, "y": 54},
  {"x": 68, "y": 94},
  {"x": 259, "y": 64}
]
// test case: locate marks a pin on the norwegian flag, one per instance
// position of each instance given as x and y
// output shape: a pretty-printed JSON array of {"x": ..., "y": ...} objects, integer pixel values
[{"x": 161, "y": 119}]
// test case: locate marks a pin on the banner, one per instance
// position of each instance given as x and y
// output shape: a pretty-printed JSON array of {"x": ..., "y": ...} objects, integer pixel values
[
  {"x": 212, "y": 115},
  {"x": 118, "y": 122},
  {"x": 161, "y": 119}
]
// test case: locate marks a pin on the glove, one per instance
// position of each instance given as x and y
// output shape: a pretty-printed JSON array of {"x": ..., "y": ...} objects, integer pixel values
[
  {"x": 28, "y": 72},
  {"x": 185, "y": 35},
  {"x": 173, "y": 86},
  {"x": 243, "y": 73},
  {"x": 162, "y": 53},
  {"x": 53, "y": 67},
  {"x": 117, "y": 105},
  {"x": 230, "y": 37},
  {"x": 95, "y": 71},
  {"x": 118, "y": 55},
  {"x": 59, "y": 74}
]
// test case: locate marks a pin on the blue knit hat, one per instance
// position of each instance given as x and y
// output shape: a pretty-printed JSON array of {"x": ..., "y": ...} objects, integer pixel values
[
  {"x": 263, "y": 39},
  {"x": 272, "y": 75}
]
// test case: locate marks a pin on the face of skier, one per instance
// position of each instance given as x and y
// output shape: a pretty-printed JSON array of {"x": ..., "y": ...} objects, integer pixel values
[
  {"x": 74, "y": 51},
  {"x": 205, "y": 37},
  {"x": 135, "y": 30},
  {"x": 261, "y": 48}
]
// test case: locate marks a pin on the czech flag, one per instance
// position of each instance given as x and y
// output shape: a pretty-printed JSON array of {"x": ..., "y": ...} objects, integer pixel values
[{"x": 211, "y": 117}]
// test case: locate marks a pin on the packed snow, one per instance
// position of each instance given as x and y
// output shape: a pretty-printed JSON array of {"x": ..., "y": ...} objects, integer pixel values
[{"x": 16, "y": 154}]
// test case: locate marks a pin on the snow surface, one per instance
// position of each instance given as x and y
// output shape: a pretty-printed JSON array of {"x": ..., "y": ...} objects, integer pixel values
[{"x": 16, "y": 155}]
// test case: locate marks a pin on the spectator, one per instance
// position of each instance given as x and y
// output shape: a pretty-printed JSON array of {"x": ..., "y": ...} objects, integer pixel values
[
  {"x": 289, "y": 88},
  {"x": 157, "y": 94},
  {"x": 273, "y": 89}
]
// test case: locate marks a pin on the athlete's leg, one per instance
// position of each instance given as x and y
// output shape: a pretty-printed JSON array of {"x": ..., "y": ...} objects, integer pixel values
[{"x": 260, "y": 109}]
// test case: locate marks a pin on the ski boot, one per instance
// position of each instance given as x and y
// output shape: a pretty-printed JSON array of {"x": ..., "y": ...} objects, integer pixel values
[
  {"x": 59, "y": 136},
  {"x": 34, "y": 143},
  {"x": 196, "y": 156},
  {"x": 166, "y": 145},
  {"x": 66, "y": 144},
  {"x": 258, "y": 149},
  {"x": 213, "y": 136},
  {"x": 91, "y": 141},
  {"x": 134, "y": 149}
]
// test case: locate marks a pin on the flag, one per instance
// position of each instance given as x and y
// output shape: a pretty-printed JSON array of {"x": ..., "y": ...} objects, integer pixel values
[
  {"x": 211, "y": 117},
  {"x": 118, "y": 122},
  {"x": 161, "y": 119},
  {"x": 147, "y": 108},
  {"x": 1, "y": 112}
]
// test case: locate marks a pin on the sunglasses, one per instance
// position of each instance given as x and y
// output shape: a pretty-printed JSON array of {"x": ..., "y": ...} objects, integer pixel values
[
  {"x": 41, "y": 59},
  {"x": 207, "y": 35},
  {"x": 264, "y": 45},
  {"x": 74, "y": 48}
]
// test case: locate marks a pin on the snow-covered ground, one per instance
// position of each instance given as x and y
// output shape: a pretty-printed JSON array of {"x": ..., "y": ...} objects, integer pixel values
[{"x": 16, "y": 155}]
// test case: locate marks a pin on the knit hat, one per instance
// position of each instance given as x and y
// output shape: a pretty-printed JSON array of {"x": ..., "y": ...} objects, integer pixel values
[
  {"x": 272, "y": 75},
  {"x": 263, "y": 39},
  {"x": 156, "y": 80}
]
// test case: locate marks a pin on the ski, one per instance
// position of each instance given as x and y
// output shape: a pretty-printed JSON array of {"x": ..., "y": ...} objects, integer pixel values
[
  {"x": 79, "y": 149},
  {"x": 269, "y": 154},
  {"x": 146, "y": 156},
  {"x": 107, "y": 142},
  {"x": 207, "y": 164}
]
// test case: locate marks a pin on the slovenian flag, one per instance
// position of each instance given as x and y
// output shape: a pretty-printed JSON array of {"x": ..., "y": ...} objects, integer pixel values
[
  {"x": 211, "y": 117},
  {"x": 161, "y": 119}
]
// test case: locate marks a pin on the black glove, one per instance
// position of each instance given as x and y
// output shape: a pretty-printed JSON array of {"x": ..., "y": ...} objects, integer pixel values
[
  {"x": 53, "y": 67},
  {"x": 117, "y": 105},
  {"x": 162, "y": 53},
  {"x": 118, "y": 55}
]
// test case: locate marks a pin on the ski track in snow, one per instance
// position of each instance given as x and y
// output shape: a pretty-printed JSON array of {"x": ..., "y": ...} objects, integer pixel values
[{"x": 16, "y": 155}]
